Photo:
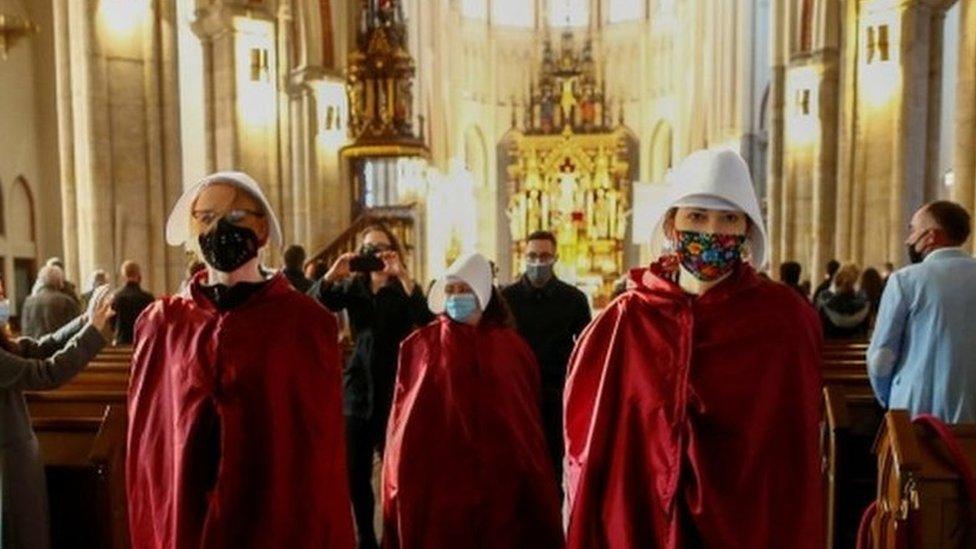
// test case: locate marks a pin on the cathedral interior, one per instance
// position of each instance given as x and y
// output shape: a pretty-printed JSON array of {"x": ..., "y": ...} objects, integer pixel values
[
  {"x": 468, "y": 124},
  {"x": 434, "y": 129}
]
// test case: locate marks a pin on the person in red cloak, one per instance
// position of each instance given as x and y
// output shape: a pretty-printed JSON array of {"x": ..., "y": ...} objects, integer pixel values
[
  {"x": 693, "y": 401},
  {"x": 466, "y": 462},
  {"x": 235, "y": 435}
]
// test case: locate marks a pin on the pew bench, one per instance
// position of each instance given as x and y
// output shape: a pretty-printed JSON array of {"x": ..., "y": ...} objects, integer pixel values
[{"x": 84, "y": 464}]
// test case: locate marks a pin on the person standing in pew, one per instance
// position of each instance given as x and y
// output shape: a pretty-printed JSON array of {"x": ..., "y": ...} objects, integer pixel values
[
  {"x": 922, "y": 356},
  {"x": 693, "y": 401},
  {"x": 34, "y": 365},
  {"x": 130, "y": 301},
  {"x": 235, "y": 433}
]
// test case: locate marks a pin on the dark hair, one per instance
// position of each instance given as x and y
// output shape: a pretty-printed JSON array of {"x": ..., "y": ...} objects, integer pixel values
[
  {"x": 789, "y": 272},
  {"x": 952, "y": 218},
  {"x": 543, "y": 235},
  {"x": 380, "y": 227},
  {"x": 498, "y": 312},
  {"x": 294, "y": 256},
  {"x": 832, "y": 266},
  {"x": 871, "y": 284}
]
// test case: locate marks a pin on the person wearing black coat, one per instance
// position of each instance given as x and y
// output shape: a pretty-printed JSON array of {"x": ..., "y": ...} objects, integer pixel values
[
  {"x": 549, "y": 315},
  {"x": 383, "y": 307},
  {"x": 130, "y": 300}
]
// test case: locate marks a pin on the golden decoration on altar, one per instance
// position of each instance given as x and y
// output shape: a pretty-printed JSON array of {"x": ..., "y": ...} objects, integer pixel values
[{"x": 569, "y": 172}]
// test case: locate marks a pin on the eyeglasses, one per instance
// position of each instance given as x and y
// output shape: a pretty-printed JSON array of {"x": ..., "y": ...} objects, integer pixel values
[
  {"x": 544, "y": 257},
  {"x": 235, "y": 216}
]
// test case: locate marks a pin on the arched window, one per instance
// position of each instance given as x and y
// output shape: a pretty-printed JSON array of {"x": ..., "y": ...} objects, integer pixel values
[
  {"x": 474, "y": 9},
  {"x": 569, "y": 13},
  {"x": 624, "y": 10},
  {"x": 513, "y": 13},
  {"x": 22, "y": 227}
]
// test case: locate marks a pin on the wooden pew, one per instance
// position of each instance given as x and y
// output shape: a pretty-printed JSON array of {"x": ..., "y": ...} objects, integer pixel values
[
  {"x": 72, "y": 403},
  {"x": 84, "y": 464},
  {"x": 920, "y": 495},
  {"x": 97, "y": 381},
  {"x": 852, "y": 417}
]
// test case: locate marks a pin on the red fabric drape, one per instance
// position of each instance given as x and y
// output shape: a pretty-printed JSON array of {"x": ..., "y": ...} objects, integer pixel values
[
  {"x": 696, "y": 420},
  {"x": 257, "y": 388},
  {"x": 466, "y": 463}
]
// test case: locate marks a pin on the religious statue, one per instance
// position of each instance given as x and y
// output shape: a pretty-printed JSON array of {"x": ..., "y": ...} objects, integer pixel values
[
  {"x": 568, "y": 100},
  {"x": 547, "y": 110}
]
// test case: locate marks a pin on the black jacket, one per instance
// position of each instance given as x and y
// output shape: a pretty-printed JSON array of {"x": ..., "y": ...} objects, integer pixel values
[
  {"x": 129, "y": 302},
  {"x": 379, "y": 323},
  {"x": 846, "y": 315},
  {"x": 549, "y": 319},
  {"x": 298, "y": 280}
]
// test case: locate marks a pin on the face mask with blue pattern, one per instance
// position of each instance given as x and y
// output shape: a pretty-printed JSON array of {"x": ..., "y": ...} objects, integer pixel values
[{"x": 460, "y": 307}]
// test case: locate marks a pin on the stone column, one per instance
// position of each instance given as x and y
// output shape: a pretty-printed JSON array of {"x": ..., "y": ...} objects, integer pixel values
[
  {"x": 69, "y": 206},
  {"x": 777, "y": 91},
  {"x": 242, "y": 79},
  {"x": 119, "y": 134},
  {"x": 964, "y": 191},
  {"x": 846, "y": 137},
  {"x": 910, "y": 162},
  {"x": 825, "y": 164}
]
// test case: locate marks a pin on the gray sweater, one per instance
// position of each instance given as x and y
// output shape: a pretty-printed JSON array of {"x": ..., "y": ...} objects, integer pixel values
[{"x": 42, "y": 364}]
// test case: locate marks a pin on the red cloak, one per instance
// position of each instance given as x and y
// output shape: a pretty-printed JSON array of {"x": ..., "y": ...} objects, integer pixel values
[
  {"x": 257, "y": 388},
  {"x": 695, "y": 421},
  {"x": 466, "y": 463}
]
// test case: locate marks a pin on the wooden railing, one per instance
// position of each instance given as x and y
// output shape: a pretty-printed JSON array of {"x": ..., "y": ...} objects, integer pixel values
[{"x": 403, "y": 221}]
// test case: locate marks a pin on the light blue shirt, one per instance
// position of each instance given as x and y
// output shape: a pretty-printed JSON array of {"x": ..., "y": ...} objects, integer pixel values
[{"x": 922, "y": 356}]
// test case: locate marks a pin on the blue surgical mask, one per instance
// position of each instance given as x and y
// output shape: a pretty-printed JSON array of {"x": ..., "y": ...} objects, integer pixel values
[
  {"x": 4, "y": 312},
  {"x": 460, "y": 307},
  {"x": 538, "y": 273}
]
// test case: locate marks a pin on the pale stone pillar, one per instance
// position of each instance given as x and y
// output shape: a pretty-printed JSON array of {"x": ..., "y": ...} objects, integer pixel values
[
  {"x": 69, "y": 206},
  {"x": 919, "y": 47},
  {"x": 777, "y": 127},
  {"x": 964, "y": 191},
  {"x": 847, "y": 138},
  {"x": 119, "y": 135},
  {"x": 825, "y": 164},
  {"x": 242, "y": 80}
]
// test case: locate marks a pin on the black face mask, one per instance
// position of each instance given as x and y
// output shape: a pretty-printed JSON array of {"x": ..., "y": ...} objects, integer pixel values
[
  {"x": 915, "y": 256},
  {"x": 228, "y": 246}
]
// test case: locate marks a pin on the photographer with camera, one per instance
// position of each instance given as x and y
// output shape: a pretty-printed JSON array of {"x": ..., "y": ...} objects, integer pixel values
[{"x": 384, "y": 305}]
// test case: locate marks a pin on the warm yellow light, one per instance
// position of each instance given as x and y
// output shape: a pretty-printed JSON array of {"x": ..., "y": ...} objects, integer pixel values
[
  {"x": 122, "y": 17},
  {"x": 330, "y": 102},
  {"x": 256, "y": 72},
  {"x": 803, "y": 106},
  {"x": 879, "y": 56}
]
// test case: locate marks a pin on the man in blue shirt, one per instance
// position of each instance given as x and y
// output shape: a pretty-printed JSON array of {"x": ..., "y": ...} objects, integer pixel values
[{"x": 923, "y": 353}]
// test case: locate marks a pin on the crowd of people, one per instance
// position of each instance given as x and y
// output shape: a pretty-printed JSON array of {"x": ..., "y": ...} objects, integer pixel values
[{"x": 503, "y": 417}]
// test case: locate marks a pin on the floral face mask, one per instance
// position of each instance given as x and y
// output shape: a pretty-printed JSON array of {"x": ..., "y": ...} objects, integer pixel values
[{"x": 709, "y": 256}]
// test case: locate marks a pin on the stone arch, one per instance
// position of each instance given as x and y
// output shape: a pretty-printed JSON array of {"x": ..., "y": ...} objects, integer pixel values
[{"x": 22, "y": 218}]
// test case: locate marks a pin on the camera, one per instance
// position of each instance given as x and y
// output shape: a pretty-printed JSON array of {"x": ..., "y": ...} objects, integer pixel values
[{"x": 366, "y": 263}]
